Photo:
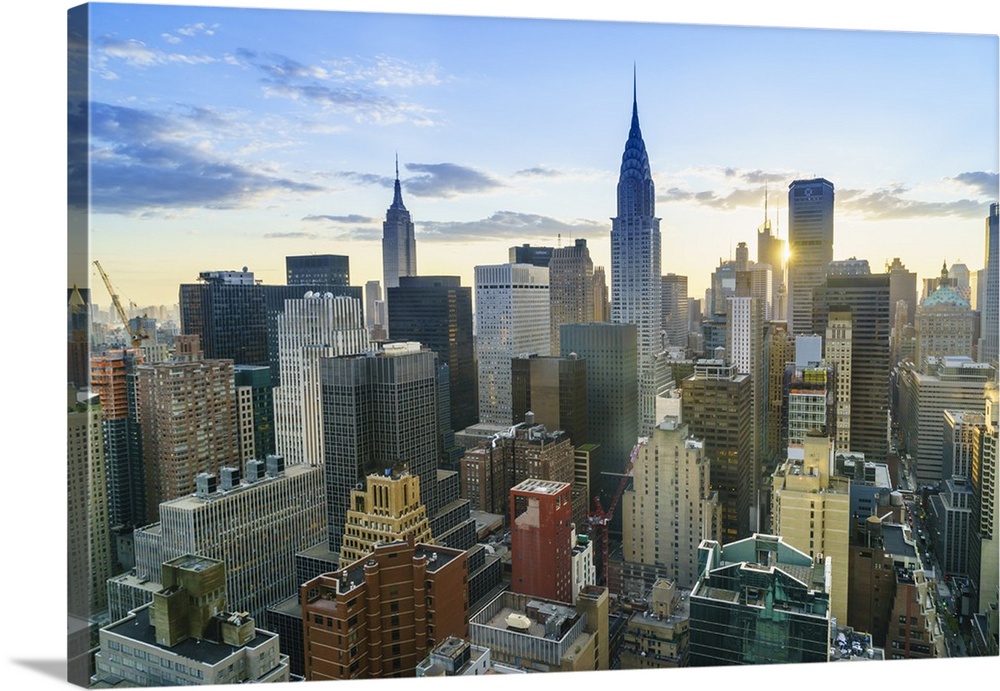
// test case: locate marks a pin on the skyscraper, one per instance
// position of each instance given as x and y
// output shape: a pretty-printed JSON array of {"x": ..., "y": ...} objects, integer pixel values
[
  {"x": 674, "y": 308},
  {"x": 227, "y": 311},
  {"x": 810, "y": 241},
  {"x": 436, "y": 311},
  {"x": 989, "y": 343},
  {"x": 318, "y": 270},
  {"x": 771, "y": 252},
  {"x": 399, "y": 248},
  {"x": 635, "y": 263},
  {"x": 571, "y": 287},
  {"x": 379, "y": 411},
  {"x": 512, "y": 317},
  {"x": 554, "y": 389}
]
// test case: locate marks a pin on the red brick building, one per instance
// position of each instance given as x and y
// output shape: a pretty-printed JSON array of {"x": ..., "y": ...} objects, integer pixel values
[{"x": 541, "y": 521}]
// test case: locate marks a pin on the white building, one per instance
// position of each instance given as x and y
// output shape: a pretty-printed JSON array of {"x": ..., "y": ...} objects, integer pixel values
[
  {"x": 512, "y": 317},
  {"x": 318, "y": 325},
  {"x": 839, "y": 331}
]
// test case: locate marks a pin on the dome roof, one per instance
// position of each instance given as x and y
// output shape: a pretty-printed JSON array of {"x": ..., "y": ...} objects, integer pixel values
[{"x": 945, "y": 296}]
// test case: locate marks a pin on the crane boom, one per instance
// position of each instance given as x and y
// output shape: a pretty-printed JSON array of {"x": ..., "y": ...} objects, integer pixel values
[
  {"x": 136, "y": 334},
  {"x": 599, "y": 519}
]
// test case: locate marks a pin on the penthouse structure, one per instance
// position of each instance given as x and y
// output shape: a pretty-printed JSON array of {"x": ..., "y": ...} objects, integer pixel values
[
  {"x": 658, "y": 638},
  {"x": 381, "y": 615}
]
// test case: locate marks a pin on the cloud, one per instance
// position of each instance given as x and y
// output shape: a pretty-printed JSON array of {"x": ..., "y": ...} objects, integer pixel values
[
  {"x": 137, "y": 54},
  {"x": 539, "y": 172},
  {"x": 887, "y": 204},
  {"x": 292, "y": 236},
  {"x": 346, "y": 86},
  {"x": 985, "y": 183},
  {"x": 352, "y": 218},
  {"x": 198, "y": 29},
  {"x": 143, "y": 161},
  {"x": 447, "y": 180},
  {"x": 509, "y": 225}
]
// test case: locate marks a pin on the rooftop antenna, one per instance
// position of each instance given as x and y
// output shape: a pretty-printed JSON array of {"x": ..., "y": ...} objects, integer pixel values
[{"x": 765, "y": 201}]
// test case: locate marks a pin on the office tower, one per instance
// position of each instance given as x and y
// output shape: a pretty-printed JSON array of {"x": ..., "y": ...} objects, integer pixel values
[
  {"x": 810, "y": 401},
  {"x": 318, "y": 270},
  {"x": 512, "y": 317},
  {"x": 113, "y": 379},
  {"x": 717, "y": 405},
  {"x": 902, "y": 286},
  {"x": 723, "y": 287},
  {"x": 602, "y": 307},
  {"x": 745, "y": 350},
  {"x": 514, "y": 627},
  {"x": 635, "y": 264},
  {"x": 984, "y": 542},
  {"x": 554, "y": 389},
  {"x": 255, "y": 411},
  {"x": 867, "y": 298},
  {"x": 380, "y": 616},
  {"x": 779, "y": 345},
  {"x": 309, "y": 329},
  {"x": 89, "y": 553},
  {"x": 399, "y": 248},
  {"x": 674, "y": 308},
  {"x": 950, "y": 383},
  {"x": 526, "y": 254},
  {"x": 948, "y": 520},
  {"x": 771, "y": 253},
  {"x": 811, "y": 511},
  {"x": 945, "y": 323},
  {"x": 571, "y": 288},
  {"x": 255, "y": 521},
  {"x": 379, "y": 410},
  {"x": 387, "y": 510},
  {"x": 612, "y": 397},
  {"x": 227, "y": 311},
  {"x": 958, "y": 445},
  {"x": 373, "y": 294},
  {"x": 736, "y": 618},
  {"x": 837, "y": 353},
  {"x": 989, "y": 308},
  {"x": 670, "y": 481},
  {"x": 436, "y": 311},
  {"x": 810, "y": 244},
  {"x": 541, "y": 526},
  {"x": 961, "y": 280},
  {"x": 187, "y": 636},
  {"x": 187, "y": 413}
]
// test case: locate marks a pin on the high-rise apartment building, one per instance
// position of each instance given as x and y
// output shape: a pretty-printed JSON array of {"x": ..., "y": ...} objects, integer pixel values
[
  {"x": 399, "y": 247},
  {"x": 759, "y": 601},
  {"x": 380, "y": 616},
  {"x": 809, "y": 401},
  {"x": 379, "y": 410},
  {"x": 612, "y": 397},
  {"x": 89, "y": 552},
  {"x": 387, "y": 510},
  {"x": 745, "y": 350},
  {"x": 228, "y": 312},
  {"x": 670, "y": 507},
  {"x": 541, "y": 539},
  {"x": 867, "y": 298},
  {"x": 311, "y": 328},
  {"x": 635, "y": 264},
  {"x": 837, "y": 352},
  {"x": 571, "y": 288},
  {"x": 674, "y": 308},
  {"x": 512, "y": 317},
  {"x": 318, "y": 270},
  {"x": 810, "y": 244},
  {"x": 989, "y": 344},
  {"x": 187, "y": 411},
  {"x": 717, "y": 405},
  {"x": 436, "y": 311},
  {"x": 811, "y": 512}
]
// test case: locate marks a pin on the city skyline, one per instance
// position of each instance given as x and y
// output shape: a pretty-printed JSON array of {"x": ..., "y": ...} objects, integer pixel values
[{"x": 217, "y": 146}]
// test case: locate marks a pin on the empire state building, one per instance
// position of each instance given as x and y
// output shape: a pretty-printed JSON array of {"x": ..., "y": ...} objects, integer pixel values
[
  {"x": 399, "y": 248},
  {"x": 635, "y": 264}
]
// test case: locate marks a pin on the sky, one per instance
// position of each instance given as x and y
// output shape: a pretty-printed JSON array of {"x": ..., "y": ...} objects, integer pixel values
[
  {"x": 35, "y": 147},
  {"x": 226, "y": 137}
]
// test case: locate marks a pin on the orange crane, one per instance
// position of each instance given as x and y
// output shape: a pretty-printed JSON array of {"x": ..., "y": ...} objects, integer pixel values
[
  {"x": 598, "y": 519},
  {"x": 136, "y": 334}
]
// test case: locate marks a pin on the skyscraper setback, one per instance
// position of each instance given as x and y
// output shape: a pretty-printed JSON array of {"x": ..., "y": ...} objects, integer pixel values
[
  {"x": 635, "y": 263},
  {"x": 399, "y": 248}
]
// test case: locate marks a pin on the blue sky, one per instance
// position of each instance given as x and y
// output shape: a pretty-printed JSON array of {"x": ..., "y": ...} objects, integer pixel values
[{"x": 225, "y": 137}]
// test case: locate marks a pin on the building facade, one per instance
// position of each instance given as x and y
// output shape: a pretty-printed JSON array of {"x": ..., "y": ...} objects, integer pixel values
[
  {"x": 571, "y": 288},
  {"x": 541, "y": 539},
  {"x": 810, "y": 244},
  {"x": 387, "y": 510},
  {"x": 227, "y": 311},
  {"x": 990, "y": 308},
  {"x": 399, "y": 246},
  {"x": 318, "y": 270}
]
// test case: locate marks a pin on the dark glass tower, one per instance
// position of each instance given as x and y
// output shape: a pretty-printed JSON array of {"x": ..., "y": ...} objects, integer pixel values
[
  {"x": 635, "y": 263},
  {"x": 318, "y": 269},
  {"x": 226, "y": 310},
  {"x": 436, "y": 311},
  {"x": 810, "y": 242},
  {"x": 399, "y": 248}
]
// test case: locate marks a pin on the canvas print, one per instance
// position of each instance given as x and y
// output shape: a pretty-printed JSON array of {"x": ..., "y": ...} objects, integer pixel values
[{"x": 414, "y": 345}]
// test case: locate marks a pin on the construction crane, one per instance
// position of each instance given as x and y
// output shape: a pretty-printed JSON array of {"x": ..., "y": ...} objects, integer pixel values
[
  {"x": 598, "y": 519},
  {"x": 136, "y": 334}
]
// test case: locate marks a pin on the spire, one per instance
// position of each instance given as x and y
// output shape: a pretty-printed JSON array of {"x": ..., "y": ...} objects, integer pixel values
[
  {"x": 765, "y": 201},
  {"x": 634, "y": 129},
  {"x": 397, "y": 196}
]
